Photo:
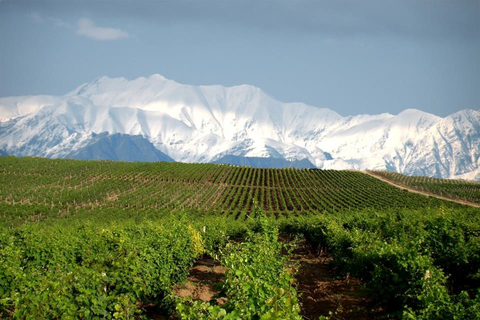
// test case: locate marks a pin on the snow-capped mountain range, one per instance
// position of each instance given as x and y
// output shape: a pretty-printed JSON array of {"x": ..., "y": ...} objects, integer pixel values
[{"x": 207, "y": 123}]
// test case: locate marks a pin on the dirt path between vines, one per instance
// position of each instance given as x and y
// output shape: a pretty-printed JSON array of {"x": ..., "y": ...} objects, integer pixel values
[
  {"x": 204, "y": 282},
  {"x": 322, "y": 293},
  {"x": 423, "y": 193}
]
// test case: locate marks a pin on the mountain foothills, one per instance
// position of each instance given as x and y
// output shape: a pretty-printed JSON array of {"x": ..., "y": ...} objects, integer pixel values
[{"x": 152, "y": 119}]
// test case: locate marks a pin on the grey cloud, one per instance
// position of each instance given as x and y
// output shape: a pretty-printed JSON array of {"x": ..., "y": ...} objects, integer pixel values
[
  {"x": 38, "y": 18},
  {"x": 87, "y": 28}
]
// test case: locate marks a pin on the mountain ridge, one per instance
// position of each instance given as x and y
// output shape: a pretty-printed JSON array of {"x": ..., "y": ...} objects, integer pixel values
[
  {"x": 204, "y": 123},
  {"x": 119, "y": 147}
]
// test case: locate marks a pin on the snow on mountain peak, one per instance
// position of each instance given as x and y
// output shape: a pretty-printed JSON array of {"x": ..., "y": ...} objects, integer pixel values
[
  {"x": 12, "y": 107},
  {"x": 204, "y": 123}
]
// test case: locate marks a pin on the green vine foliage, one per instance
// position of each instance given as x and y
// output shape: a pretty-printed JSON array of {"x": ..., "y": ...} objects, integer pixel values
[
  {"x": 415, "y": 264},
  {"x": 88, "y": 271},
  {"x": 258, "y": 283}
]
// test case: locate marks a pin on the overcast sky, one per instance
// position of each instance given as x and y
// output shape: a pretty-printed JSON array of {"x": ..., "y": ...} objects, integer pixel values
[{"x": 354, "y": 57}]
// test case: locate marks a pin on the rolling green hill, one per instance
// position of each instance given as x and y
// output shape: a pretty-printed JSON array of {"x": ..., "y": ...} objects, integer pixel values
[
  {"x": 48, "y": 188},
  {"x": 104, "y": 239}
]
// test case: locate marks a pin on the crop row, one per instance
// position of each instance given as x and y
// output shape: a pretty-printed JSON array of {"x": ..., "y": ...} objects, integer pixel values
[
  {"x": 416, "y": 264},
  {"x": 203, "y": 188},
  {"x": 450, "y": 188}
]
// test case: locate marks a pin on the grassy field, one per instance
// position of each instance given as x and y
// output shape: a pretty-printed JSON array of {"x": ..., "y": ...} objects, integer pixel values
[{"x": 90, "y": 239}]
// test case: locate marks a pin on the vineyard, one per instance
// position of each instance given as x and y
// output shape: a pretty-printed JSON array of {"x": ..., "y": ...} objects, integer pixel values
[
  {"x": 454, "y": 189},
  {"x": 41, "y": 188},
  {"x": 100, "y": 239}
]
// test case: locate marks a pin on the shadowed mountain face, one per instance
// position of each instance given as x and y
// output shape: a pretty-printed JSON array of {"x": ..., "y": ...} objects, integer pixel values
[
  {"x": 257, "y": 162},
  {"x": 207, "y": 123},
  {"x": 121, "y": 147}
]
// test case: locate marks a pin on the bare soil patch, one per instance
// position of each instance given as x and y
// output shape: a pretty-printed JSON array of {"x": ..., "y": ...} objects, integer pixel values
[
  {"x": 204, "y": 282},
  {"x": 322, "y": 293}
]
